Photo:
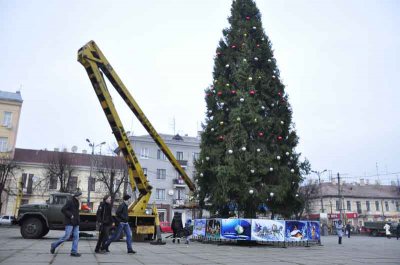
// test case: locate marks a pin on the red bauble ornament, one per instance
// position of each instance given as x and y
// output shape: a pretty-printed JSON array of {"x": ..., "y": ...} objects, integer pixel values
[
  {"x": 219, "y": 53},
  {"x": 208, "y": 94},
  {"x": 252, "y": 92},
  {"x": 219, "y": 93},
  {"x": 233, "y": 46},
  {"x": 247, "y": 18},
  {"x": 221, "y": 138},
  {"x": 280, "y": 94},
  {"x": 258, "y": 45},
  {"x": 280, "y": 138},
  {"x": 233, "y": 92},
  {"x": 261, "y": 134}
]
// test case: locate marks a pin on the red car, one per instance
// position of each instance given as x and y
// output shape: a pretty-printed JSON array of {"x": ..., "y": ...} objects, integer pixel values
[{"x": 165, "y": 227}]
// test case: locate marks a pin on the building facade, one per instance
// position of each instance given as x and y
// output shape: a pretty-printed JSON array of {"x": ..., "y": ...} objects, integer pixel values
[
  {"x": 170, "y": 193},
  {"x": 33, "y": 171},
  {"x": 357, "y": 203},
  {"x": 10, "y": 111}
]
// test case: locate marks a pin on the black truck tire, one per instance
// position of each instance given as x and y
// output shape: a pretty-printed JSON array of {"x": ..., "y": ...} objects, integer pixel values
[
  {"x": 32, "y": 228},
  {"x": 45, "y": 231}
]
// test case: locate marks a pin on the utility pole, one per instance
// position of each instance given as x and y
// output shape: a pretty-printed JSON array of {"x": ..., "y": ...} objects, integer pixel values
[
  {"x": 90, "y": 180},
  {"x": 340, "y": 197},
  {"x": 319, "y": 173}
]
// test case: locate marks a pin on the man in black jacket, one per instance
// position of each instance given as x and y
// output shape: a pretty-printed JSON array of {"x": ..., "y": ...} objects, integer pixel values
[
  {"x": 123, "y": 218},
  {"x": 104, "y": 218},
  {"x": 71, "y": 221}
]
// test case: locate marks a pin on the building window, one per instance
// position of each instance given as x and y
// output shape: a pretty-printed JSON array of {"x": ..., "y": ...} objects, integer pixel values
[
  {"x": 368, "y": 206},
  {"x": 179, "y": 155},
  {"x": 144, "y": 153},
  {"x": 53, "y": 183},
  {"x": 358, "y": 207},
  {"x": 337, "y": 206},
  {"x": 72, "y": 183},
  {"x": 348, "y": 205},
  {"x": 92, "y": 184},
  {"x": 161, "y": 173},
  {"x": 7, "y": 119},
  {"x": 387, "y": 206},
  {"x": 3, "y": 144},
  {"x": 161, "y": 155},
  {"x": 160, "y": 193},
  {"x": 24, "y": 176},
  {"x": 144, "y": 170},
  {"x": 180, "y": 194},
  {"x": 377, "y": 205},
  {"x": 196, "y": 156},
  {"x": 30, "y": 184}
]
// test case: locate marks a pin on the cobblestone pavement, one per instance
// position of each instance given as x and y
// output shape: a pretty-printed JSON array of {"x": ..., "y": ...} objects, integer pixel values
[{"x": 356, "y": 250}]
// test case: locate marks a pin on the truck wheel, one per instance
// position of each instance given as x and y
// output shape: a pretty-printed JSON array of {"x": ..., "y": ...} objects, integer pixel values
[
  {"x": 45, "y": 231},
  {"x": 32, "y": 228}
]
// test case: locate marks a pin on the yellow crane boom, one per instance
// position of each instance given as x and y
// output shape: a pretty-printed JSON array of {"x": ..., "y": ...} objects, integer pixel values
[{"x": 96, "y": 64}]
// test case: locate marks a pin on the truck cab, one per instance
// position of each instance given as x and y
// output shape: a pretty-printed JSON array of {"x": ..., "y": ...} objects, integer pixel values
[{"x": 36, "y": 220}]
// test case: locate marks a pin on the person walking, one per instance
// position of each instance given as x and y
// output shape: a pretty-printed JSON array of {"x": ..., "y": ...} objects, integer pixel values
[
  {"x": 348, "y": 229},
  {"x": 177, "y": 227},
  {"x": 122, "y": 218},
  {"x": 71, "y": 221},
  {"x": 398, "y": 231},
  {"x": 188, "y": 230},
  {"x": 387, "y": 228},
  {"x": 104, "y": 218},
  {"x": 339, "y": 230}
]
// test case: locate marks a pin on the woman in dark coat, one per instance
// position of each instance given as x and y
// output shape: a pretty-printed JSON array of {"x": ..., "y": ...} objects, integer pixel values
[
  {"x": 104, "y": 218},
  {"x": 176, "y": 226}
]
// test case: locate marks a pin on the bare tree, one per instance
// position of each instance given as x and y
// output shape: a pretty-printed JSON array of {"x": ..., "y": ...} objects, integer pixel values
[
  {"x": 61, "y": 167},
  {"x": 307, "y": 193},
  {"x": 112, "y": 173},
  {"x": 7, "y": 170}
]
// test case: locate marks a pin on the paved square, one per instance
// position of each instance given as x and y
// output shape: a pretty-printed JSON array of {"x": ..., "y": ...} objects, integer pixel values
[{"x": 357, "y": 250}]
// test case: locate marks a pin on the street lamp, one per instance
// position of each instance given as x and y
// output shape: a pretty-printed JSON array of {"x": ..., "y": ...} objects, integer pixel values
[
  {"x": 319, "y": 173},
  {"x": 93, "y": 146}
]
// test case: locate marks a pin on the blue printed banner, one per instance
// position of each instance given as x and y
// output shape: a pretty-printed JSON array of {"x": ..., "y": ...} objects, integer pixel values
[
  {"x": 314, "y": 231},
  {"x": 213, "y": 228},
  {"x": 238, "y": 229},
  {"x": 296, "y": 230},
  {"x": 199, "y": 227},
  {"x": 267, "y": 230}
]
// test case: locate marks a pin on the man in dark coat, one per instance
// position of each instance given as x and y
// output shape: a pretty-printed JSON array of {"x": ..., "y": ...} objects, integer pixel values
[
  {"x": 348, "y": 229},
  {"x": 71, "y": 221},
  {"x": 176, "y": 226},
  {"x": 123, "y": 218},
  {"x": 104, "y": 219}
]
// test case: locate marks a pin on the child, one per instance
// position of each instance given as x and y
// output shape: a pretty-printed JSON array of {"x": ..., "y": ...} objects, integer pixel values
[{"x": 188, "y": 230}]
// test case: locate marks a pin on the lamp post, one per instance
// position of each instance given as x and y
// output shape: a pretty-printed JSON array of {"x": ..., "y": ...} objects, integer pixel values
[
  {"x": 319, "y": 173},
  {"x": 93, "y": 146}
]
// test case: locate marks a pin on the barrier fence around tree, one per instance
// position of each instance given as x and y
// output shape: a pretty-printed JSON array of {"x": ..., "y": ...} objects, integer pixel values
[{"x": 288, "y": 232}]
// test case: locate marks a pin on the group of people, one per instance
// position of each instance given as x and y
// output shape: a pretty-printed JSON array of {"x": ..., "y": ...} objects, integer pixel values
[
  {"x": 179, "y": 231},
  {"x": 105, "y": 221},
  {"x": 339, "y": 230}
]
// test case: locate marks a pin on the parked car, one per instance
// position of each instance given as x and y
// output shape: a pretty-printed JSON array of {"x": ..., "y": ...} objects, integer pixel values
[
  {"x": 165, "y": 227},
  {"x": 7, "y": 220}
]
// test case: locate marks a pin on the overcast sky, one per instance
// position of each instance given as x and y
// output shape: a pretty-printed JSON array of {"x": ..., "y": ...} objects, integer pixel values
[{"x": 339, "y": 60}]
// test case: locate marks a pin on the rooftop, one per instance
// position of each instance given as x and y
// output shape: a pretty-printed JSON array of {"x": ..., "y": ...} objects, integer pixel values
[
  {"x": 169, "y": 138},
  {"x": 360, "y": 191},
  {"x": 11, "y": 96},
  {"x": 75, "y": 159}
]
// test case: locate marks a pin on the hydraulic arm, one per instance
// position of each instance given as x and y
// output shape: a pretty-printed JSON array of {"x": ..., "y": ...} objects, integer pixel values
[{"x": 96, "y": 65}]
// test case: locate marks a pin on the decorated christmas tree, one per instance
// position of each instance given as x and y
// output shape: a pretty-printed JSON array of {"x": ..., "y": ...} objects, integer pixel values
[{"x": 248, "y": 162}]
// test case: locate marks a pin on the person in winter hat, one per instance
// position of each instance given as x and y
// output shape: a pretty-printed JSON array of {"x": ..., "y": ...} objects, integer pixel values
[
  {"x": 177, "y": 227},
  {"x": 339, "y": 231},
  {"x": 71, "y": 220},
  {"x": 104, "y": 219},
  {"x": 122, "y": 218}
]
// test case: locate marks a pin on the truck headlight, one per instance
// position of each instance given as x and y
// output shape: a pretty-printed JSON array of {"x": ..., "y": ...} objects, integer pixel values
[{"x": 148, "y": 211}]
